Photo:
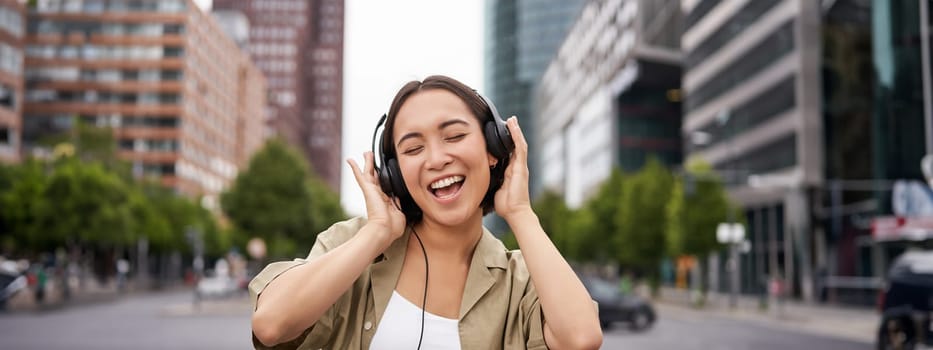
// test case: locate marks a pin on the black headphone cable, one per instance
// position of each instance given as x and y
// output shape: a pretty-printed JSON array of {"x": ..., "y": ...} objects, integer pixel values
[{"x": 424, "y": 299}]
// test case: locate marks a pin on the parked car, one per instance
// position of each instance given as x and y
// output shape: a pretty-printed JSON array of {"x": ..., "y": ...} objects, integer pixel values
[
  {"x": 216, "y": 286},
  {"x": 907, "y": 302},
  {"x": 615, "y": 306},
  {"x": 12, "y": 281}
]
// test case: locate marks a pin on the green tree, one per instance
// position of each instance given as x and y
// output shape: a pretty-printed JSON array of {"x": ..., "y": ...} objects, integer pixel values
[
  {"x": 641, "y": 218},
  {"x": 698, "y": 204},
  {"x": 554, "y": 216},
  {"x": 271, "y": 200},
  {"x": 84, "y": 203},
  {"x": 589, "y": 239},
  {"x": 176, "y": 214},
  {"x": 596, "y": 221},
  {"x": 21, "y": 194},
  {"x": 325, "y": 205}
]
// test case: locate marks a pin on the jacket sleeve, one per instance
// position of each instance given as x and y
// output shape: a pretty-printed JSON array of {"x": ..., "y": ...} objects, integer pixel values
[
  {"x": 533, "y": 319},
  {"x": 326, "y": 241}
]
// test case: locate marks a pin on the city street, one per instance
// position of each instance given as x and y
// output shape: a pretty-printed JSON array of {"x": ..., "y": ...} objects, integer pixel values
[
  {"x": 684, "y": 329},
  {"x": 150, "y": 321},
  {"x": 168, "y": 321}
]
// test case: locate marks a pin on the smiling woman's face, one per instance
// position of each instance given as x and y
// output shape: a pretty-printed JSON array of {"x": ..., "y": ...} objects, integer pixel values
[{"x": 442, "y": 156}]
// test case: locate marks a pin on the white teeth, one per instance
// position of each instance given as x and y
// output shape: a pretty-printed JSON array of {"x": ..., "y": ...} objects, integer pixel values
[{"x": 446, "y": 182}]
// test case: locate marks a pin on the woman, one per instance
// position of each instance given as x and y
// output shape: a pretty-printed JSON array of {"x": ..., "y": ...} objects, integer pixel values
[{"x": 421, "y": 271}]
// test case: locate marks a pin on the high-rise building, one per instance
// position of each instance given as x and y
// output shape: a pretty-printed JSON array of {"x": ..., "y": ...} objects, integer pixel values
[
  {"x": 611, "y": 96},
  {"x": 814, "y": 111},
  {"x": 522, "y": 36},
  {"x": 12, "y": 29},
  {"x": 298, "y": 44},
  {"x": 186, "y": 104},
  {"x": 752, "y": 85}
]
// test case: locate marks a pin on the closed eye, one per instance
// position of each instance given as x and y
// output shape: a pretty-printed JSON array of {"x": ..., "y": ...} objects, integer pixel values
[
  {"x": 412, "y": 150},
  {"x": 456, "y": 138}
]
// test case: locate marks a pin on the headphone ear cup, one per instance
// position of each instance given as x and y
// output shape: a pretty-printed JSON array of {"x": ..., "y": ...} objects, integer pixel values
[
  {"x": 498, "y": 139},
  {"x": 385, "y": 180},
  {"x": 390, "y": 179}
]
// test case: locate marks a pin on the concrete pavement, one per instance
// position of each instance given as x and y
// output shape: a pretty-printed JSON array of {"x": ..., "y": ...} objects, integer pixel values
[{"x": 855, "y": 324}]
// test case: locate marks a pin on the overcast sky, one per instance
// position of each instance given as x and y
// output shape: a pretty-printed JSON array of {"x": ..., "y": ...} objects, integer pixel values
[{"x": 388, "y": 43}]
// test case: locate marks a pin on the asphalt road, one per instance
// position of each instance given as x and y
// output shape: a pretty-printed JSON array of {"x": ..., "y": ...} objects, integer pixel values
[
  {"x": 684, "y": 329},
  {"x": 149, "y": 321},
  {"x": 168, "y": 321}
]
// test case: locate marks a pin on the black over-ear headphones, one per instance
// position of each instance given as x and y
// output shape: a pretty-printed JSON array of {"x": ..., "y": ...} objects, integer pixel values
[{"x": 499, "y": 143}]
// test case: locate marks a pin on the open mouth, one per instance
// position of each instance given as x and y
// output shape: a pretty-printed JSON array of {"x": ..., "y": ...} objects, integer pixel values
[{"x": 446, "y": 187}]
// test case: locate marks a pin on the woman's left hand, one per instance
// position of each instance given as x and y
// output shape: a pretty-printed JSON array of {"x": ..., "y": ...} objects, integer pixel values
[{"x": 512, "y": 198}]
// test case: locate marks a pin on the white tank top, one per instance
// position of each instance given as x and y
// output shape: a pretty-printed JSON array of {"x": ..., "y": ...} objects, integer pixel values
[{"x": 400, "y": 328}]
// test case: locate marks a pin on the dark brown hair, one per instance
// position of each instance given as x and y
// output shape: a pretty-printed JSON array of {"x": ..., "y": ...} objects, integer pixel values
[{"x": 478, "y": 108}]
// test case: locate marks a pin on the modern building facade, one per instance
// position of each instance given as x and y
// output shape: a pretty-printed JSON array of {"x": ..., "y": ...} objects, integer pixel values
[
  {"x": 752, "y": 84},
  {"x": 813, "y": 112},
  {"x": 901, "y": 134},
  {"x": 611, "y": 96},
  {"x": 185, "y": 103},
  {"x": 522, "y": 37},
  {"x": 12, "y": 30},
  {"x": 298, "y": 44}
]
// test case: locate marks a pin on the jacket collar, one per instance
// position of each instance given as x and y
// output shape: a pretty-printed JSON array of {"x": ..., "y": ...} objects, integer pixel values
[{"x": 489, "y": 254}]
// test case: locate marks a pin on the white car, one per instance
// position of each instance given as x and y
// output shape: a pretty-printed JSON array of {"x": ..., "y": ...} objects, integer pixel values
[{"x": 216, "y": 287}]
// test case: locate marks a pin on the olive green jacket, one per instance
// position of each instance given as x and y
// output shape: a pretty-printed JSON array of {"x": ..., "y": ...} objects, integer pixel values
[{"x": 499, "y": 309}]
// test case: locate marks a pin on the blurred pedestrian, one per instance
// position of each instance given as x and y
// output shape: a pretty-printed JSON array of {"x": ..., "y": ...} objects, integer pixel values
[
  {"x": 41, "y": 280},
  {"x": 421, "y": 271},
  {"x": 626, "y": 283}
]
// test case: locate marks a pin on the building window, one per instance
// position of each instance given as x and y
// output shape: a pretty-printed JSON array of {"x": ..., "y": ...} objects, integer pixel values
[
  {"x": 173, "y": 52},
  {"x": 11, "y": 21},
  {"x": 159, "y": 169},
  {"x": 776, "y": 155},
  {"x": 698, "y": 12},
  {"x": 11, "y": 59},
  {"x": 7, "y": 96},
  {"x": 759, "y": 109},
  {"x": 756, "y": 59},
  {"x": 746, "y": 17}
]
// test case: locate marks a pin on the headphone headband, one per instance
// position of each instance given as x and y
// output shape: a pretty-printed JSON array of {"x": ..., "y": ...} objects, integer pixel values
[{"x": 499, "y": 143}]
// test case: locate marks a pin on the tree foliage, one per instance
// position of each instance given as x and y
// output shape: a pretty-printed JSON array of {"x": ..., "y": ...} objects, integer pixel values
[
  {"x": 595, "y": 223},
  {"x": 698, "y": 204},
  {"x": 641, "y": 217},
  {"x": 83, "y": 195},
  {"x": 21, "y": 189},
  {"x": 277, "y": 199},
  {"x": 84, "y": 203},
  {"x": 554, "y": 217}
]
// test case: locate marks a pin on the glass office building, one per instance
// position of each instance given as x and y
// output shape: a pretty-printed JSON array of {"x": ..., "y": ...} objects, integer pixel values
[
  {"x": 522, "y": 37},
  {"x": 611, "y": 97}
]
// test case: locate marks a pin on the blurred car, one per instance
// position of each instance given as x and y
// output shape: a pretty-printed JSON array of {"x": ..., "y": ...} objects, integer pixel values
[
  {"x": 12, "y": 281},
  {"x": 216, "y": 286},
  {"x": 615, "y": 306},
  {"x": 906, "y": 303}
]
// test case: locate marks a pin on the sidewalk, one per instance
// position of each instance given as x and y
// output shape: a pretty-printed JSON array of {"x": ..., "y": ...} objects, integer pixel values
[
  {"x": 857, "y": 324},
  {"x": 91, "y": 292}
]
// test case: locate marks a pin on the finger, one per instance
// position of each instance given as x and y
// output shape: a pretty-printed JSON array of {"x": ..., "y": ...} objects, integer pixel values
[
  {"x": 356, "y": 172},
  {"x": 370, "y": 163},
  {"x": 521, "y": 146}
]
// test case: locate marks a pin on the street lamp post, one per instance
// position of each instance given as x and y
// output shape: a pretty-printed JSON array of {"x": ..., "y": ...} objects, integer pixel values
[
  {"x": 732, "y": 234},
  {"x": 729, "y": 232}
]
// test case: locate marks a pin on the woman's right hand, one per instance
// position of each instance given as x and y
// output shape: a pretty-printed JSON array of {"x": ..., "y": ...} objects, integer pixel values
[{"x": 382, "y": 211}]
